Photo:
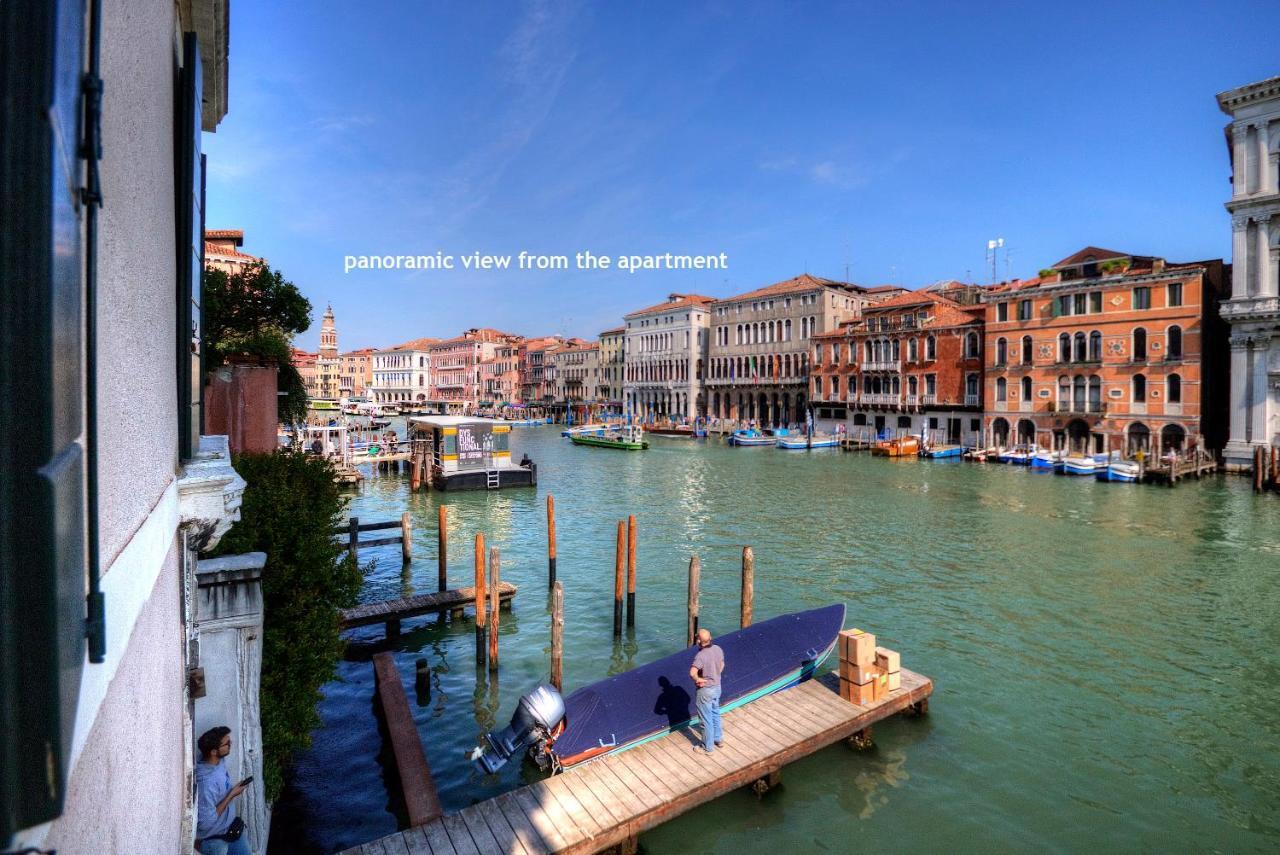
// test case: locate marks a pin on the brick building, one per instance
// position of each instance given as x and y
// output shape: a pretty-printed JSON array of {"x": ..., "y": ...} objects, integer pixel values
[
  {"x": 537, "y": 371},
  {"x": 911, "y": 364},
  {"x": 356, "y": 371},
  {"x": 455, "y": 367},
  {"x": 500, "y": 374},
  {"x": 1107, "y": 351}
]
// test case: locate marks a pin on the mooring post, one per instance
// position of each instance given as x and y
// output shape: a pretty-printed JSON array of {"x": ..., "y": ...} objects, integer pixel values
[
  {"x": 551, "y": 540},
  {"x": 443, "y": 548},
  {"x": 406, "y": 538},
  {"x": 495, "y": 580},
  {"x": 1258, "y": 467},
  {"x": 481, "y": 603},
  {"x": 353, "y": 538},
  {"x": 631, "y": 570},
  {"x": 422, "y": 682},
  {"x": 748, "y": 585},
  {"x": 695, "y": 575},
  {"x": 557, "y": 636},
  {"x": 619, "y": 568}
]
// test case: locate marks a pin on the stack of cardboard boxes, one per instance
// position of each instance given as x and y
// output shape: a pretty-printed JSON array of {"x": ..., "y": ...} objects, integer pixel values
[{"x": 867, "y": 673}]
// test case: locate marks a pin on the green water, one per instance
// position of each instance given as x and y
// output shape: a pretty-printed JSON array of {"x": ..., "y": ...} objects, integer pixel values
[{"x": 1103, "y": 654}]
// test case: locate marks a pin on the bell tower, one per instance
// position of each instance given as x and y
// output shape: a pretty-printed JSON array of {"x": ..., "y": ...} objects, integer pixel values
[{"x": 328, "y": 335}]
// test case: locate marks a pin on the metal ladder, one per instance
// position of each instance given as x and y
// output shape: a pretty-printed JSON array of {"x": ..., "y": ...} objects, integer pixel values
[{"x": 491, "y": 479}]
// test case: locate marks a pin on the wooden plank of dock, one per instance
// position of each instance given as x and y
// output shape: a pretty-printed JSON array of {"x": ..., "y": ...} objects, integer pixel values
[
  {"x": 406, "y": 607},
  {"x": 420, "y": 796},
  {"x": 610, "y": 801}
]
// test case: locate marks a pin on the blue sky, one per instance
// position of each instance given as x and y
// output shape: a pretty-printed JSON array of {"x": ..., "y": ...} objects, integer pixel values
[{"x": 892, "y": 138}]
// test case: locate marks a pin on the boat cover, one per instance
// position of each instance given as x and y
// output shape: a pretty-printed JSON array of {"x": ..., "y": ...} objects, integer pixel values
[{"x": 656, "y": 698}]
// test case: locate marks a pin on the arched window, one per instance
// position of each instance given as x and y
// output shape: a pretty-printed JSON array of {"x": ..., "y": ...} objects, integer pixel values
[
  {"x": 1095, "y": 346},
  {"x": 1064, "y": 393},
  {"x": 1173, "y": 343},
  {"x": 930, "y": 348},
  {"x": 913, "y": 384},
  {"x": 897, "y": 352},
  {"x": 787, "y": 329},
  {"x": 1139, "y": 344},
  {"x": 971, "y": 345},
  {"x": 1026, "y": 388},
  {"x": 970, "y": 387},
  {"x": 1027, "y": 357},
  {"x": 913, "y": 350},
  {"x": 1077, "y": 394},
  {"x": 1064, "y": 348},
  {"x": 1002, "y": 389},
  {"x": 1173, "y": 389},
  {"x": 897, "y": 384},
  {"x": 1095, "y": 394},
  {"x": 804, "y": 328},
  {"x": 1078, "y": 351},
  {"x": 1002, "y": 351},
  {"x": 1139, "y": 389}
]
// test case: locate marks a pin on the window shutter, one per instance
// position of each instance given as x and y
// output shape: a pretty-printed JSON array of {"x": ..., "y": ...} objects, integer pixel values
[{"x": 42, "y": 422}]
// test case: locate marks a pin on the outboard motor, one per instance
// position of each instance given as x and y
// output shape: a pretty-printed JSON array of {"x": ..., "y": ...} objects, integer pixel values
[{"x": 536, "y": 717}]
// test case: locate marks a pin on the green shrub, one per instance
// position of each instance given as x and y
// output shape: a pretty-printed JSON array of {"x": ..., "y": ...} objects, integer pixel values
[
  {"x": 291, "y": 506},
  {"x": 1047, "y": 272}
]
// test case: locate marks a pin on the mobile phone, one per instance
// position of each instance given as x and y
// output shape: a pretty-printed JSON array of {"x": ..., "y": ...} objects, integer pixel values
[{"x": 247, "y": 780}]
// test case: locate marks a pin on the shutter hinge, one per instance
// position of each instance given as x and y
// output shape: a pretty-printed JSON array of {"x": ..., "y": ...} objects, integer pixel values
[
  {"x": 96, "y": 626},
  {"x": 91, "y": 144}
]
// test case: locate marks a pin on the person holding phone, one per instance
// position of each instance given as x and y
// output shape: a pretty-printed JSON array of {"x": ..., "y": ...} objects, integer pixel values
[{"x": 218, "y": 829}]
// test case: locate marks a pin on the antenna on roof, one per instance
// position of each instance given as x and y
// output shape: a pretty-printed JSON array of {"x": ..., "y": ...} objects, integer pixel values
[{"x": 993, "y": 249}]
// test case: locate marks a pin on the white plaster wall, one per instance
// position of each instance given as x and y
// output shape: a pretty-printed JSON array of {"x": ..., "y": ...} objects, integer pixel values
[
  {"x": 125, "y": 793},
  {"x": 137, "y": 386}
]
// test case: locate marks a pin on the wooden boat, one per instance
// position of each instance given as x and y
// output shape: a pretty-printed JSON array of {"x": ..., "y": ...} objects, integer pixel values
[
  {"x": 585, "y": 430},
  {"x": 1123, "y": 471},
  {"x": 672, "y": 431},
  {"x": 648, "y": 702},
  {"x": 752, "y": 437},
  {"x": 903, "y": 446},
  {"x": 943, "y": 451},
  {"x": 630, "y": 438},
  {"x": 1018, "y": 455}
]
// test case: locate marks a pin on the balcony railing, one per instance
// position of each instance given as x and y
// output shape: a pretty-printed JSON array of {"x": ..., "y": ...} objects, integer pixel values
[
  {"x": 1078, "y": 408},
  {"x": 928, "y": 400},
  {"x": 890, "y": 365},
  {"x": 972, "y": 400},
  {"x": 911, "y": 400},
  {"x": 878, "y": 399}
]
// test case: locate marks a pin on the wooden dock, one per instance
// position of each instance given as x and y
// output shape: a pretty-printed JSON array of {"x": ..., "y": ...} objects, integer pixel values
[
  {"x": 391, "y": 612},
  {"x": 1171, "y": 472},
  {"x": 420, "y": 798},
  {"x": 610, "y": 801}
]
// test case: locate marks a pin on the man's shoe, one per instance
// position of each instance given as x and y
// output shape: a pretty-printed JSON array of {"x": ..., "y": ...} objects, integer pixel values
[
  {"x": 719, "y": 742},
  {"x": 700, "y": 749}
]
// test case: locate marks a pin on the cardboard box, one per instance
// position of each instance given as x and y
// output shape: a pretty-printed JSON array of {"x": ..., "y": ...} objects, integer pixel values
[
  {"x": 889, "y": 660},
  {"x": 858, "y": 647},
  {"x": 895, "y": 681},
  {"x": 856, "y": 673},
  {"x": 856, "y": 693},
  {"x": 879, "y": 686}
]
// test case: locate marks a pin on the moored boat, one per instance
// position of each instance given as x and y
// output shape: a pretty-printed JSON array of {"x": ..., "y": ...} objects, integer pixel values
[
  {"x": 584, "y": 430},
  {"x": 903, "y": 446},
  {"x": 1124, "y": 471},
  {"x": 1018, "y": 455},
  {"x": 1079, "y": 464},
  {"x": 751, "y": 436},
  {"x": 939, "y": 452},
  {"x": 1048, "y": 460},
  {"x": 801, "y": 443},
  {"x": 645, "y": 703}
]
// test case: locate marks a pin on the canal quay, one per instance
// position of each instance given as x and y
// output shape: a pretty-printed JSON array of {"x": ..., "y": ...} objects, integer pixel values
[{"x": 1102, "y": 654}]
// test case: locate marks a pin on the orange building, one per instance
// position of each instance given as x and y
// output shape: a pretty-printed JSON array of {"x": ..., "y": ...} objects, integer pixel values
[
  {"x": 356, "y": 371},
  {"x": 912, "y": 364},
  {"x": 221, "y": 251},
  {"x": 1107, "y": 351}
]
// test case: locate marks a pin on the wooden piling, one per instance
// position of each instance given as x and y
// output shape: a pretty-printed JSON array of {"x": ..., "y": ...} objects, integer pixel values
[
  {"x": 495, "y": 578},
  {"x": 481, "y": 600},
  {"x": 353, "y": 538},
  {"x": 422, "y": 682},
  {"x": 631, "y": 571},
  {"x": 695, "y": 577},
  {"x": 551, "y": 540},
  {"x": 406, "y": 538},
  {"x": 1259, "y": 468},
  {"x": 619, "y": 568},
  {"x": 443, "y": 549},
  {"x": 748, "y": 585},
  {"x": 557, "y": 636}
]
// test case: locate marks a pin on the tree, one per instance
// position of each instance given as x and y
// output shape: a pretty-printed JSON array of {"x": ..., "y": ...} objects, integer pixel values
[{"x": 254, "y": 314}]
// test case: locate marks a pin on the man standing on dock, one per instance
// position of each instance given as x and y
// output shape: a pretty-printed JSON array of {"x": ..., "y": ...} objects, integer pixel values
[{"x": 708, "y": 666}]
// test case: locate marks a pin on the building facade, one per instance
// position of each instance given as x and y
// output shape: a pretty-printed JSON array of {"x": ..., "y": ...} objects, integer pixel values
[
  {"x": 355, "y": 372},
  {"x": 1106, "y": 351},
  {"x": 912, "y": 364},
  {"x": 222, "y": 251},
  {"x": 577, "y": 377},
  {"x": 612, "y": 365},
  {"x": 456, "y": 362},
  {"x": 537, "y": 370},
  {"x": 500, "y": 374},
  {"x": 403, "y": 374},
  {"x": 666, "y": 357},
  {"x": 760, "y": 344},
  {"x": 1253, "y": 310}
]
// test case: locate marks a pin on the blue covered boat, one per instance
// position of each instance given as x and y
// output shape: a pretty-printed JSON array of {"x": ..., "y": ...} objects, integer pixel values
[
  {"x": 650, "y": 701},
  {"x": 751, "y": 436}
]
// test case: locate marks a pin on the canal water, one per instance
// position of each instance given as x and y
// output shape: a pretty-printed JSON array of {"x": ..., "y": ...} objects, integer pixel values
[{"x": 1104, "y": 655}]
